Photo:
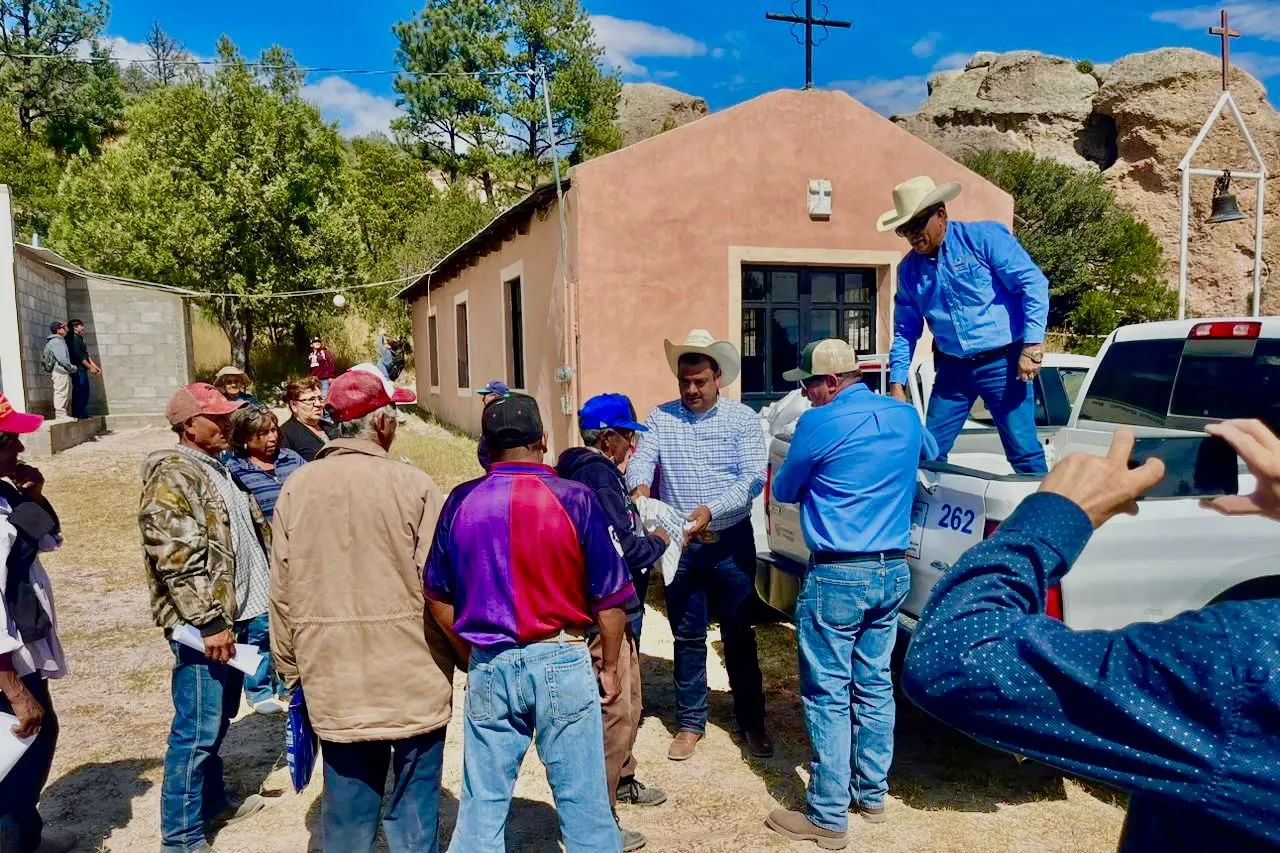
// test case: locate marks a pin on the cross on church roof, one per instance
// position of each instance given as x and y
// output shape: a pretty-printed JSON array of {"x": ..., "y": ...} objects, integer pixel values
[
  {"x": 809, "y": 22},
  {"x": 1227, "y": 35}
]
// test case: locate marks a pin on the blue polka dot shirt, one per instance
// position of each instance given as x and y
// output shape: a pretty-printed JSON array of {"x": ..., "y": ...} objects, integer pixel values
[{"x": 1182, "y": 714}]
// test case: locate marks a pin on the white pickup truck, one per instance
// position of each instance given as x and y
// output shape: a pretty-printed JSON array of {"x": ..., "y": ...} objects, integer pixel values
[{"x": 1164, "y": 378}]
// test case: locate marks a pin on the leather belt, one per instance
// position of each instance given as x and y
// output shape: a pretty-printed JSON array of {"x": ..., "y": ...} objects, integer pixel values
[
  {"x": 984, "y": 357},
  {"x": 827, "y": 558}
]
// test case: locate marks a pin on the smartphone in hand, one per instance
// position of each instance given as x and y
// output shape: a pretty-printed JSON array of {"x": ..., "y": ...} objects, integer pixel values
[{"x": 1195, "y": 466}]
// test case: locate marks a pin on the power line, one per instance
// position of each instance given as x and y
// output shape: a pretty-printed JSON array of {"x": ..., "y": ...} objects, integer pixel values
[
  {"x": 320, "y": 291},
  {"x": 269, "y": 66}
]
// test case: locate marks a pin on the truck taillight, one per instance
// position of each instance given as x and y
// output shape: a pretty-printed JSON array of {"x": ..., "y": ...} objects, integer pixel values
[
  {"x": 1053, "y": 600},
  {"x": 1225, "y": 331},
  {"x": 768, "y": 497}
]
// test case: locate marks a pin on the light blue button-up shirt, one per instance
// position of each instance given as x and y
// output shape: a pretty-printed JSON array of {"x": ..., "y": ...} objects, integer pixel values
[
  {"x": 980, "y": 293},
  {"x": 852, "y": 468},
  {"x": 716, "y": 459}
]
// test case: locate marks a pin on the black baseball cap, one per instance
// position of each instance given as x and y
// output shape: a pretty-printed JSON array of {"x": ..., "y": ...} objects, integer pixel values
[{"x": 512, "y": 421}]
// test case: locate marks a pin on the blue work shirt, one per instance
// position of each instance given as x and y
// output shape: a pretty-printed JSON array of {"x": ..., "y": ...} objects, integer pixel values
[
  {"x": 1183, "y": 714},
  {"x": 980, "y": 293},
  {"x": 852, "y": 468}
]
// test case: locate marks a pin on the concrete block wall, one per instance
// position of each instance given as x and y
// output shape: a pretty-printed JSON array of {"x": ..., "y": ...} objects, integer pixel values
[
  {"x": 142, "y": 339},
  {"x": 42, "y": 298}
]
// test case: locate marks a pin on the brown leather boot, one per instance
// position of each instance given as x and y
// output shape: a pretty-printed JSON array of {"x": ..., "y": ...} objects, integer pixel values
[
  {"x": 759, "y": 744},
  {"x": 684, "y": 745},
  {"x": 797, "y": 827}
]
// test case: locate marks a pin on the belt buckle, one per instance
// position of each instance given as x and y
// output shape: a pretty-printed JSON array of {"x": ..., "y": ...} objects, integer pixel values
[{"x": 708, "y": 537}]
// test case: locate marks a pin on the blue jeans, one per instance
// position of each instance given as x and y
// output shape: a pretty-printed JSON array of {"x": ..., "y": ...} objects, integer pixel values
[
  {"x": 80, "y": 394},
  {"x": 355, "y": 775},
  {"x": 846, "y": 625},
  {"x": 720, "y": 576},
  {"x": 206, "y": 696},
  {"x": 20, "y": 822},
  {"x": 263, "y": 684},
  {"x": 543, "y": 692},
  {"x": 1012, "y": 403}
]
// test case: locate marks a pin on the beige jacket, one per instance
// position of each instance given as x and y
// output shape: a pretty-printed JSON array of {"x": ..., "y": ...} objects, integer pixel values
[{"x": 350, "y": 537}]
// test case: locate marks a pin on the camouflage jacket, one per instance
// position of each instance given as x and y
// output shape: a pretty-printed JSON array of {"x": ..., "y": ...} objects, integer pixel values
[{"x": 186, "y": 540}]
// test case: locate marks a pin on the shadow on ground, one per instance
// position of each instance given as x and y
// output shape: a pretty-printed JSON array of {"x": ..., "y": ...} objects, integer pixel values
[
  {"x": 62, "y": 802},
  {"x": 532, "y": 827},
  {"x": 935, "y": 766}
]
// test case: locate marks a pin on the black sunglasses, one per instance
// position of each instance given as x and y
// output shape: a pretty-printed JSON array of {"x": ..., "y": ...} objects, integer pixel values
[{"x": 915, "y": 226}]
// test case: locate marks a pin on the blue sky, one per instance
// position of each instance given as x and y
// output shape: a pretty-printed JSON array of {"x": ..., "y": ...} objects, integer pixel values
[{"x": 722, "y": 50}]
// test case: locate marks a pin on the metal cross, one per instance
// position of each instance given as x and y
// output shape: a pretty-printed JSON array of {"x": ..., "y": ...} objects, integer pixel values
[
  {"x": 809, "y": 22},
  {"x": 1227, "y": 35}
]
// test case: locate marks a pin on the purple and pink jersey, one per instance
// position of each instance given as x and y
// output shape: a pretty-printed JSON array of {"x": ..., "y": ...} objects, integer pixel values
[{"x": 521, "y": 555}]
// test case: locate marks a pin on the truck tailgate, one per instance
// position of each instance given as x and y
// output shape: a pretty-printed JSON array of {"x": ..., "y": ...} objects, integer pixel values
[{"x": 948, "y": 518}]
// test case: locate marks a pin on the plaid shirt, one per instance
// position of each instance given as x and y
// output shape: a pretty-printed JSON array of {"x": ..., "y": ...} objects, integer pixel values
[
  {"x": 253, "y": 572},
  {"x": 716, "y": 459}
]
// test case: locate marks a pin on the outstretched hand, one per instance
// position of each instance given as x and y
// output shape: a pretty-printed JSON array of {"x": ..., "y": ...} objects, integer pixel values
[
  {"x": 1104, "y": 486},
  {"x": 1260, "y": 449}
]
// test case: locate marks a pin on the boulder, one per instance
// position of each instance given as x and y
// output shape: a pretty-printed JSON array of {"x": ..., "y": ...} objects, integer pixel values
[
  {"x": 647, "y": 109},
  {"x": 1133, "y": 119},
  {"x": 1021, "y": 101}
]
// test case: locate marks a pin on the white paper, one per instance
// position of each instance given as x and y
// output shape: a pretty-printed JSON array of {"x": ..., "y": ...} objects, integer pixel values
[
  {"x": 247, "y": 658},
  {"x": 655, "y": 514},
  {"x": 12, "y": 747}
]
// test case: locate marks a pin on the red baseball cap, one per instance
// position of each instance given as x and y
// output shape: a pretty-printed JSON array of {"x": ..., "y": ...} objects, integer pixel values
[
  {"x": 198, "y": 398},
  {"x": 361, "y": 390},
  {"x": 20, "y": 423}
]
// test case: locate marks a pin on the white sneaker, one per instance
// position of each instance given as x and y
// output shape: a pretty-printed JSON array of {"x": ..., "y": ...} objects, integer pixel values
[{"x": 270, "y": 707}]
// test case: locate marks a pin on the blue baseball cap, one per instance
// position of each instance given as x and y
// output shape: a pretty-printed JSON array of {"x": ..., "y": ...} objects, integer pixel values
[
  {"x": 495, "y": 386},
  {"x": 608, "y": 411}
]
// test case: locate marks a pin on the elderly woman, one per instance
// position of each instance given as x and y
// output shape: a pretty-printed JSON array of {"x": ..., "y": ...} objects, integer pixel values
[
  {"x": 234, "y": 384},
  {"x": 306, "y": 432},
  {"x": 260, "y": 467}
]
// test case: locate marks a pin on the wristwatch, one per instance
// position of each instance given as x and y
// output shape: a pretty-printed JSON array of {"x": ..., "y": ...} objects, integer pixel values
[{"x": 1036, "y": 354}]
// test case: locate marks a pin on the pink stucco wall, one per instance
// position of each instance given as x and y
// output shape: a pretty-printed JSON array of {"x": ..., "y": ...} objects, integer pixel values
[
  {"x": 653, "y": 229},
  {"x": 658, "y": 220},
  {"x": 538, "y": 254}
]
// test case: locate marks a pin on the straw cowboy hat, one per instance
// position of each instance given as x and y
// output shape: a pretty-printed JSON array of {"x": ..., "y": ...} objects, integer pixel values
[
  {"x": 913, "y": 196},
  {"x": 701, "y": 342}
]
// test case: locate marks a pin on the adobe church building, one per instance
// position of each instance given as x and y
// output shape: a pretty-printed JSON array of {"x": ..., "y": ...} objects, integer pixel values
[{"x": 719, "y": 224}]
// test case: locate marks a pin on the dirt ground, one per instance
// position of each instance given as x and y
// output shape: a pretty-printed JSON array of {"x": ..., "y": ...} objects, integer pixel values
[{"x": 947, "y": 793}]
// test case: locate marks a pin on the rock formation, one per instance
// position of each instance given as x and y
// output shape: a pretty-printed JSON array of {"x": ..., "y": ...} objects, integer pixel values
[
  {"x": 1134, "y": 120},
  {"x": 647, "y": 109}
]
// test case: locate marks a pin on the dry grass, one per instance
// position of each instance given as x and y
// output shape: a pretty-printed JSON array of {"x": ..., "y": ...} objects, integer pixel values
[
  {"x": 948, "y": 794},
  {"x": 448, "y": 456}
]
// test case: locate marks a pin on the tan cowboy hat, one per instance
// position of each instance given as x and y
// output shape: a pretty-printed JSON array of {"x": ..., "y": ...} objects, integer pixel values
[
  {"x": 911, "y": 197},
  {"x": 700, "y": 341}
]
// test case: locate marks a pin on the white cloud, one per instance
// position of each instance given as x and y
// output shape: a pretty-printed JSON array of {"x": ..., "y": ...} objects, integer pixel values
[
  {"x": 1260, "y": 65},
  {"x": 902, "y": 94},
  {"x": 122, "y": 50},
  {"x": 624, "y": 41},
  {"x": 952, "y": 62},
  {"x": 357, "y": 111},
  {"x": 1259, "y": 20},
  {"x": 927, "y": 45},
  {"x": 888, "y": 97}
]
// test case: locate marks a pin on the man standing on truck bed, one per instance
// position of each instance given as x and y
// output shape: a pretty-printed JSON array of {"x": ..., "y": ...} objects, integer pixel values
[
  {"x": 852, "y": 468},
  {"x": 987, "y": 305},
  {"x": 713, "y": 460}
]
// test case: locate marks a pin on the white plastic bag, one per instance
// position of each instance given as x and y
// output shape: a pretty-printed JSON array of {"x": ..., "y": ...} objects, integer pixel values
[{"x": 655, "y": 514}]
